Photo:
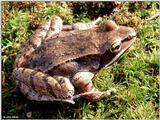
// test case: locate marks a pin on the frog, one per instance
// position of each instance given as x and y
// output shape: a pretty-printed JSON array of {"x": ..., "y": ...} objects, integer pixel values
[{"x": 59, "y": 64}]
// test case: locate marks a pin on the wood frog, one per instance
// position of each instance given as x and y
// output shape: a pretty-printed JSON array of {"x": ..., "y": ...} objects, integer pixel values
[{"x": 59, "y": 65}]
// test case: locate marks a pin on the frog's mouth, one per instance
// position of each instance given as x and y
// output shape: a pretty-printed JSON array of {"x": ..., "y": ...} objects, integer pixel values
[{"x": 109, "y": 57}]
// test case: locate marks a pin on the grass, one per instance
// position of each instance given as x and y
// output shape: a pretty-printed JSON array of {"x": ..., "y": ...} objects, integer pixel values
[{"x": 135, "y": 75}]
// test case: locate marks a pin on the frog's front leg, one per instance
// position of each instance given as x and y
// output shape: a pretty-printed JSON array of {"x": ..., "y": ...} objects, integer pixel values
[
  {"x": 39, "y": 86},
  {"x": 83, "y": 82}
]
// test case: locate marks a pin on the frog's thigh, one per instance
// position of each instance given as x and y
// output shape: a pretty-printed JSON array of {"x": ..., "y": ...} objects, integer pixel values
[
  {"x": 40, "y": 86},
  {"x": 83, "y": 82}
]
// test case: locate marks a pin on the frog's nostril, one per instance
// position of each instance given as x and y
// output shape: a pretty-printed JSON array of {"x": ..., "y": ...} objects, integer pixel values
[{"x": 129, "y": 37}]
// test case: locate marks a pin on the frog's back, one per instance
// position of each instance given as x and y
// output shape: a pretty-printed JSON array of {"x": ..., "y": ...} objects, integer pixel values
[{"x": 63, "y": 48}]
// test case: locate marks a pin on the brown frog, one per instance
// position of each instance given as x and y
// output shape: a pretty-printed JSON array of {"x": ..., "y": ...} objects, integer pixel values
[{"x": 59, "y": 65}]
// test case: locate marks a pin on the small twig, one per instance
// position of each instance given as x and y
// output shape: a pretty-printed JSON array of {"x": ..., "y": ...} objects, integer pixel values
[{"x": 153, "y": 17}]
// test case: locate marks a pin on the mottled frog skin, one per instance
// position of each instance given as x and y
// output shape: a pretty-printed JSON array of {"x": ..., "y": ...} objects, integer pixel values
[{"x": 59, "y": 62}]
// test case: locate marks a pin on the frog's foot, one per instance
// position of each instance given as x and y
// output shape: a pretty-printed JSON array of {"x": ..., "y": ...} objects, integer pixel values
[
  {"x": 83, "y": 82},
  {"x": 39, "y": 86},
  {"x": 55, "y": 26},
  {"x": 95, "y": 95}
]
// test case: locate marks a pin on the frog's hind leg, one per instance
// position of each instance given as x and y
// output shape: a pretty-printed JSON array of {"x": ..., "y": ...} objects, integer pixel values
[
  {"x": 53, "y": 26},
  {"x": 39, "y": 86},
  {"x": 83, "y": 82}
]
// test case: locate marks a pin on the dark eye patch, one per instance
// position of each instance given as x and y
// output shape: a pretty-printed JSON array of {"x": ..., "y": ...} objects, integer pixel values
[{"x": 117, "y": 47}]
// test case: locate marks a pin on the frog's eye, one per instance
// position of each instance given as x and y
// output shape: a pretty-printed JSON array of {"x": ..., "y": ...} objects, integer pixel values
[{"x": 116, "y": 47}]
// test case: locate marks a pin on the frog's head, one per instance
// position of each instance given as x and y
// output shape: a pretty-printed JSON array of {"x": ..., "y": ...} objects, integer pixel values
[{"x": 119, "y": 39}]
